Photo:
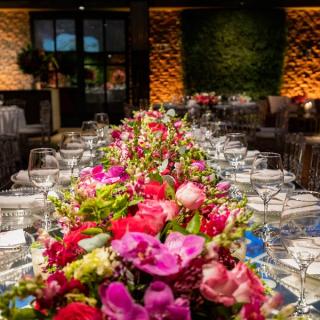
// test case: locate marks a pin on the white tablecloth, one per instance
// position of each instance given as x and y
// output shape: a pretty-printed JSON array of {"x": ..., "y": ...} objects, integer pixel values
[{"x": 12, "y": 119}]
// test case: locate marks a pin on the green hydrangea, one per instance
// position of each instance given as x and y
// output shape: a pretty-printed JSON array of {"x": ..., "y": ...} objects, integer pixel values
[{"x": 94, "y": 266}]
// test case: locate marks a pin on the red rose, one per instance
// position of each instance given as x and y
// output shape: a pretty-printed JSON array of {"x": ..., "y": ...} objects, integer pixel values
[
  {"x": 75, "y": 235},
  {"x": 154, "y": 190},
  {"x": 78, "y": 311},
  {"x": 137, "y": 223}
]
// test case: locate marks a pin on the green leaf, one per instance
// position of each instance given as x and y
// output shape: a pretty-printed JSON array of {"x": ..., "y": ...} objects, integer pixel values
[
  {"x": 194, "y": 224},
  {"x": 182, "y": 150},
  {"x": 171, "y": 113},
  {"x": 156, "y": 177},
  {"x": 97, "y": 241},
  {"x": 170, "y": 192},
  {"x": 177, "y": 227},
  {"x": 164, "y": 165},
  {"x": 169, "y": 179},
  {"x": 24, "y": 314},
  {"x": 92, "y": 231}
]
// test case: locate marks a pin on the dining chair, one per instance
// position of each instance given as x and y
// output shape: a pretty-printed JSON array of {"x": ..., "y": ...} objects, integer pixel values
[
  {"x": 43, "y": 128},
  {"x": 314, "y": 169},
  {"x": 9, "y": 159},
  {"x": 293, "y": 154}
]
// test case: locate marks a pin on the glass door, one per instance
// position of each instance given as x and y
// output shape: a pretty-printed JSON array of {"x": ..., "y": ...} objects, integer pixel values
[{"x": 104, "y": 63}]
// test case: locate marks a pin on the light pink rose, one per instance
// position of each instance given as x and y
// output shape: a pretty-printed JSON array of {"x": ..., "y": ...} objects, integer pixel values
[
  {"x": 218, "y": 285},
  {"x": 249, "y": 285},
  {"x": 190, "y": 195},
  {"x": 170, "y": 208},
  {"x": 223, "y": 186},
  {"x": 239, "y": 285}
]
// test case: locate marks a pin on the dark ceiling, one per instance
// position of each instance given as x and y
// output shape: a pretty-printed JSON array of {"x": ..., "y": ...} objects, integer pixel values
[{"x": 105, "y": 4}]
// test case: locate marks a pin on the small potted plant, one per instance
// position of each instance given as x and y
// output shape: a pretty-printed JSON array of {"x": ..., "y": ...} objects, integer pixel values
[{"x": 37, "y": 63}]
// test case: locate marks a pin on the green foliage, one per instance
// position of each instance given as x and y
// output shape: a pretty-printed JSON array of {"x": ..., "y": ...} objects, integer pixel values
[{"x": 234, "y": 51}]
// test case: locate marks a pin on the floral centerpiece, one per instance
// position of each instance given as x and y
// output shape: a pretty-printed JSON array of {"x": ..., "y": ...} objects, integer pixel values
[
  {"x": 148, "y": 234},
  {"x": 206, "y": 99}
]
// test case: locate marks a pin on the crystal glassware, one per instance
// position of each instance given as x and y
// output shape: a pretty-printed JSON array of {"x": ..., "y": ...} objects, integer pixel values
[
  {"x": 266, "y": 179},
  {"x": 300, "y": 235},
  {"x": 102, "y": 120},
  {"x": 89, "y": 135},
  {"x": 71, "y": 149},
  {"x": 235, "y": 150},
  {"x": 43, "y": 170}
]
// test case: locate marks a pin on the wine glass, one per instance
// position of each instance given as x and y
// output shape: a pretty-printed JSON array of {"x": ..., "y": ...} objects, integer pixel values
[
  {"x": 300, "y": 235},
  {"x": 43, "y": 170},
  {"x": 89, "y": 135},
  {"x": 102, "y": 120},
  {"x": 71, "y": 149},
  {"x": 235, "y": 150},
  {"x": 266, "y": 179}
]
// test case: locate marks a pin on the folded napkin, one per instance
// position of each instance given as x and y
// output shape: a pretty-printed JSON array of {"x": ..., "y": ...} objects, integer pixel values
[
  {"x": 244, "y": 176},
  {"x": 23, "y": 176},
  {"x": 275, "y": 204}
]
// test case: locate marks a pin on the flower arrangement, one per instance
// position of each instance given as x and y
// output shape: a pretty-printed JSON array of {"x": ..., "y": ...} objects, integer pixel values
[
  {"x": 148, "y": 234},
  {"x": 206, "y": 99}
]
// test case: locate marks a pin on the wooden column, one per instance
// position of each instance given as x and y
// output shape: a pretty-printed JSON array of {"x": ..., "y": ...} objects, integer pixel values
[{"x": 139, "y": 25}]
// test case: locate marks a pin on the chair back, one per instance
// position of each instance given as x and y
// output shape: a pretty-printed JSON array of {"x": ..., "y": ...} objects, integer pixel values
[
  {"x": 45, "y": 115},
  {"x": 314, "y": 169},
  {"x": 9, "y": 158},
  {"x": 293, "y": 155},
  {"x": 277, "y": 103}
]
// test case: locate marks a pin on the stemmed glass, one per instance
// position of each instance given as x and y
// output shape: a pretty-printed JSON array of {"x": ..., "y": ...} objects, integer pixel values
[
  {"x": 71, "y": 149},
  {"x": 235, "y": 150},
  {"x": 102, "y": 120},
  {"x": 43, "y": 170},
  {"x": 266, "y": 179},
  {"x": 89, "y": 135},
  {"x": 300, "y": 235}
]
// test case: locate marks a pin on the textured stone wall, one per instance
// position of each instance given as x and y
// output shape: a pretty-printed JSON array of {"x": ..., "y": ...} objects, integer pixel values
[
  {"x": 14, "y": 35},
  {"x": 166, "y": 76},
  {"x": 301, "y": 75}
]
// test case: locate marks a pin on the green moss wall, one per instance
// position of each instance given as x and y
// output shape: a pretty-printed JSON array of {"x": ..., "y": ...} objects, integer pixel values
[{"x": 233, "y": 51}]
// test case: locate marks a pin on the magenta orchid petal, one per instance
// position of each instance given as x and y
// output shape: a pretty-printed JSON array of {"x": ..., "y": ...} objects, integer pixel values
[
  {"x": 185, "y": 247},
  {"x": 158, "y": 297},
  {"x": 97, "y": 169},
  {"x": 180, "y": 310},
  {"x": 199, "y": 164},
  {"x": 146, "y": 253},
  {"x": 119, "y": 305}
]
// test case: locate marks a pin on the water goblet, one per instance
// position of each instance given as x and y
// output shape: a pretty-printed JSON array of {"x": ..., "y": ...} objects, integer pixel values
[
  {"x": 235, "y": 150},
  {"x": 102, "y": 120},
  {"x": 71, "y": 149},
  {"x": 266, "y": 179},
  {"x": 43, "y": 170},
  {"x": 300, "y": 235},
  {"x": 89, "y": 135}
]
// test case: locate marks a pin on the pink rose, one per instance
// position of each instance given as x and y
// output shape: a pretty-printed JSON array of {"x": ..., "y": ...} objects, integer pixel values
[
  {"x": 163, "y": 209},
  {"x": 223, "y": 186},
  {"x": 218, "y": 285},
  {"x": 249, "y": 285},
  {"x": 190, "y": 195},
  {"x": 239, "y": 285},
  {"x": 170, "y": 208}
]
